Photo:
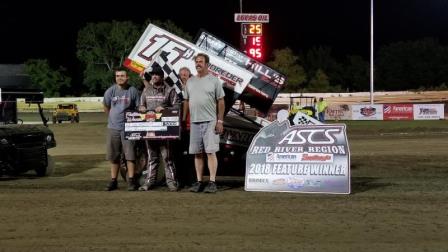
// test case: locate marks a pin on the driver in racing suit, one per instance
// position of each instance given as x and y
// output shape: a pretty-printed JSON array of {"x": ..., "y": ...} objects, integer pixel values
[{"x": 157, "y": 96}]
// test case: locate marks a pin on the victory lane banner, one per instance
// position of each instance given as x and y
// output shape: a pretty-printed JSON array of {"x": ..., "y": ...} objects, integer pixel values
[
  {"x": 151, "y": 125},
  {"x": 301, "y": 159}
]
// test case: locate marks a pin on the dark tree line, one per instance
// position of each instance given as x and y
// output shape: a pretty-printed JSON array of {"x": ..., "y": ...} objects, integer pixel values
[
  {"x": 405, "y": 65},
  {"x": 409, "y": 65}
]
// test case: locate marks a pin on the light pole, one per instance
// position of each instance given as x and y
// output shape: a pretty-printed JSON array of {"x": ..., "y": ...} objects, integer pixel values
[{"x": 371, "y": 51}]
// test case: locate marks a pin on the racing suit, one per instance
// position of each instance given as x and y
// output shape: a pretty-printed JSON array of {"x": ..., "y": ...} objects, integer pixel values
[{"x": 152, "y": 97}]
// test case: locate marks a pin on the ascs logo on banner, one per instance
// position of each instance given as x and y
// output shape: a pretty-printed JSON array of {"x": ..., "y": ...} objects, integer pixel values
[{"x": 306, "y": 159}]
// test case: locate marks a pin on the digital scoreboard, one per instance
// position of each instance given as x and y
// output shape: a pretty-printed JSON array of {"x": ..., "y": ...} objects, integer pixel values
[
  {"x": 252, "y": 29},
  {"x": 252, "y": 33},
  {"x": 254, "y": 47}
]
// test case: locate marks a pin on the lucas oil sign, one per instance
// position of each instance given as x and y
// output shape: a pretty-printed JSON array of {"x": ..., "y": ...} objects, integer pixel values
[{"x": 306, "y": 159}]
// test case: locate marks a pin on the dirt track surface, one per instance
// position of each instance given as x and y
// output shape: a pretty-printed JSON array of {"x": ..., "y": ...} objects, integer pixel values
[
  {"x": 73, "y": 214},
  {"x": 399, "y": 202}
]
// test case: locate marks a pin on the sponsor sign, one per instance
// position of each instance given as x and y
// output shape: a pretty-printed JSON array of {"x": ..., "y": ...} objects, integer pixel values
[
  {"x": 367, "y": 112},
  {"x": 151, "y": 125},
  {"x": 398, "y": 112},
  {"x": 338, "y": 112},
  {"x": 251, "y": 18},
  {"x": 181, "y": 53},
  {"x": 429, "y": 111},
  {"x": 266, "y": 83},
  {"x": 303, "y": 159}
]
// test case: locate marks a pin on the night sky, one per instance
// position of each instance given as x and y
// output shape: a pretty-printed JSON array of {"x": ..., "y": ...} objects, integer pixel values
[{"x": 41, "y": 30}]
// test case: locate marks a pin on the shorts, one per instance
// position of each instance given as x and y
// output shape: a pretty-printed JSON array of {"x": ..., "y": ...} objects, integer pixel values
[
  {"x": 203, "y": 137},
  {"x": 117, "y": 144}
]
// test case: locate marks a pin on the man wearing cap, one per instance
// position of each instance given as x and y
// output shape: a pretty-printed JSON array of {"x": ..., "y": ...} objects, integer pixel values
[{"x": 157, "y": 96}]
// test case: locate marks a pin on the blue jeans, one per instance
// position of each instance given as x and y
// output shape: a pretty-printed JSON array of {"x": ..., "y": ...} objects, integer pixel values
[{"x": 322, "y": 116}]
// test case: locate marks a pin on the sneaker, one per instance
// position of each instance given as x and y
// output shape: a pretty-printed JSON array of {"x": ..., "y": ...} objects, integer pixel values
[
  {"x": 146, "y": 187},
  {"x": 197, "y": 187},
  {"x": 132, "y": 186},
  {"x": 172, "y": 186},
  {"x": 113, "y": 185},
  {"x": 211, "y": 187}
]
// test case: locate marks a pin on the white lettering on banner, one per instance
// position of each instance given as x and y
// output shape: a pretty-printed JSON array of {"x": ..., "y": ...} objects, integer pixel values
[
  {"x": 254, "y": 66},
  {"x": 298, "y": 169},
  {"x": 287, "y": 149},
  {"x": 333, "y": 149},
  {"x": 146, "y": 128},
  {"x": 258, "y": 91},
  {"x": 225, "y": 74},
  {"x": 213, "y": 45},
  {"x": 402, "y": 109},
  {"x": 177, "y": 49},
  {"x": 251, "y": 17},
  {"x": 338, "y": 149},
  {"x": 144, "y": 124},
  {"x": 260, "y": 149},
  {"x": 170, "y": 118},
  {"x": 290, "y": 138}
]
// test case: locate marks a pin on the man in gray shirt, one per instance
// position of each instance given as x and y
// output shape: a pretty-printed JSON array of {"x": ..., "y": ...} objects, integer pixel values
[
  {"x": 204, "y": 95},
  {"x": 117, "y": 99}
]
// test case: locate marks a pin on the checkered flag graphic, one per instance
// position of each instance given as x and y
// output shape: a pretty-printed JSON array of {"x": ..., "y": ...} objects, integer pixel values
[
  {"x": 161, "y": 59},
  {"x": 302, "y": 119}
]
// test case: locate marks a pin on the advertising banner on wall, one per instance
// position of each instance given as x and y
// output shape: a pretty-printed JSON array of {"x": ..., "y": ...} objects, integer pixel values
[
  {"x": 429, "y": 111},
  {"x": 367, "y": 112},
  {"x": 338, "y": 112},
  {"x": 398, "y": 112},
  {"x": 302, "y": 159}
]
